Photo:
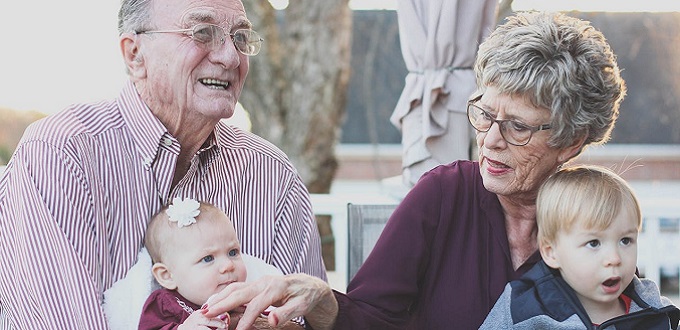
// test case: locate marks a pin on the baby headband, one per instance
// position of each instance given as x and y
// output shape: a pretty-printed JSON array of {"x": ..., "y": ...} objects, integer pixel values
[{"x": 184, "y": 212}]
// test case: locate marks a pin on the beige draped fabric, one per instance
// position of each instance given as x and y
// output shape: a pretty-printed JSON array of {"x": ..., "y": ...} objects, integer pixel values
[{"x": 439, "y": 41}]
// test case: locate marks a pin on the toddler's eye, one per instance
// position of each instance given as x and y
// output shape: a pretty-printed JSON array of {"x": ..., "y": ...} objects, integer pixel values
[
  {"x": 208, "y": 259},
  {"x": 626, "y": 241},
  {"x": 233, "y": 253},
  {"x": 593, "y": 244}
]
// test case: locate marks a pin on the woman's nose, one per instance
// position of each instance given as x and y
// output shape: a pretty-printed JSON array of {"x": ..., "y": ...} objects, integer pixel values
[{"x": 494, "y": 137}]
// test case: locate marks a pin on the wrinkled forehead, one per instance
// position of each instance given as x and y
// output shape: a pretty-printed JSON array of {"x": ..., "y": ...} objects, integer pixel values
[{"x": 185, "y": 13}]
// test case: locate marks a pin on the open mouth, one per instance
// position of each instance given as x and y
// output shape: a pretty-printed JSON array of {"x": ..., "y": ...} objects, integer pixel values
[
  {"x": 611, "y": 282},
  {"x": 612, "y": 285},
  {"x": 214, "y": 83}
]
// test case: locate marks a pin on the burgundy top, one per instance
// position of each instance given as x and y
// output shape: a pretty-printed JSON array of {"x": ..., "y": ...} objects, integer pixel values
[
  {"x": 441, "y": 262},
  {"x": 165, "y": 309}
]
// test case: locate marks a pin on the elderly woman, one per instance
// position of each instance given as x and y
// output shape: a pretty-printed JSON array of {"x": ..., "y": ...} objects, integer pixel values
[{"x": 549, "y": 85}]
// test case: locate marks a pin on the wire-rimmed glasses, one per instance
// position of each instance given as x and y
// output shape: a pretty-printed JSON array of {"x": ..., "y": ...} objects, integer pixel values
[
  {"x": 214, "y": 36},
  {"x": 514, "y": 132}
]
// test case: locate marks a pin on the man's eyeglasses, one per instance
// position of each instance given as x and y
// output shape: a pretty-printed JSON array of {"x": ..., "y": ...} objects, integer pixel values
[
  {"x": 214, "y": 36},
  {"x": 512, "y": 131}
]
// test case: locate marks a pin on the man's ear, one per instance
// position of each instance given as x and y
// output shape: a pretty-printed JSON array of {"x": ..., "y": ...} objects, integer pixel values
[
  {"x": 549, "y": 256},
  {"x": 162, "y": 274},
  {"x": 132, "y": 55}
]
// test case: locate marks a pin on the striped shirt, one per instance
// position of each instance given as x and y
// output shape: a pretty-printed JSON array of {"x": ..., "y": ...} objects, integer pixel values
[{"x": 77, "y": 194}]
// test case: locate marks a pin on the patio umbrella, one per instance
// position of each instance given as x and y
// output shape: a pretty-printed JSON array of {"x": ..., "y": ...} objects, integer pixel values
[{"x": 439, "y": 41}]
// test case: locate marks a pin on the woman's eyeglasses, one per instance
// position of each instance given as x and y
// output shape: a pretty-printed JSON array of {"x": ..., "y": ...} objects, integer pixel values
[
  {"x": 514, "y": 132},
  {"x": 214, "y": 36}
]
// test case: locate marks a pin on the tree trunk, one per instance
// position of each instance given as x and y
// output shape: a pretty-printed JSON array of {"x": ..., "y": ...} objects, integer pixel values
[{"x": 297, "y": 86}]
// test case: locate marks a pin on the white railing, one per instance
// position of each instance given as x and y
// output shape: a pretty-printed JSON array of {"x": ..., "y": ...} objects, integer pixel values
[
  {"x": 658, "y": 250},
  {"x": 659, "y": 242}
]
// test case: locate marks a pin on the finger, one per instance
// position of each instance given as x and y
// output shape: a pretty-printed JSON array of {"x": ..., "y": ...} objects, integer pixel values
[
  {"x": 294, "y": 307},
  {"x": 261, "y": 305},
  {"x": 207, "y": 327},
  {"x": 215, "y": 323},
  {"x": 247, "y": 319},
  {"x": 229, "y": 299},
  {"x": 239, "y": 309},
  {"x": 226, "y": 292},
  {"x": 198, "y": 319}
]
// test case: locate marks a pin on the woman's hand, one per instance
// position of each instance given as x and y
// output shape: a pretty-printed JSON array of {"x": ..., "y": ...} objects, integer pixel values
[{"x": 294, "y": 295}]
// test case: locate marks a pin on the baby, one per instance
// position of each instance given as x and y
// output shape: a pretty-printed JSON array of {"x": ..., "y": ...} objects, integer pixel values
[{"x": 195, "y": 254}]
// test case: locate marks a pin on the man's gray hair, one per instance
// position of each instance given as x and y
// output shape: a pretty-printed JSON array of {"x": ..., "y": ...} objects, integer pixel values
[{"x": 134, "y": 15}]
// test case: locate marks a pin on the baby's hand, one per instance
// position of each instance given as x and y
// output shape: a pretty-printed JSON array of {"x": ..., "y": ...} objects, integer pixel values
[{"x": 198, "y": 320}]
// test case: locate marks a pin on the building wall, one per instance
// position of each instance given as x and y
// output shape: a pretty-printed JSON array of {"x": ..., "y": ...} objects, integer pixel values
[{"x": 647, "y": 46}]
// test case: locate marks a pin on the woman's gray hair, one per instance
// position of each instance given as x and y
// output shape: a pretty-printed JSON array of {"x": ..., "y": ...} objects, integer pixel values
[
  {"x": 134, "y": 15},
  {"x": 559, "y": 63}
]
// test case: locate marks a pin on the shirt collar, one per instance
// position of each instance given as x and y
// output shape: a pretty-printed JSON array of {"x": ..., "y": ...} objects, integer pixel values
[{"x": 146, "y": 130}]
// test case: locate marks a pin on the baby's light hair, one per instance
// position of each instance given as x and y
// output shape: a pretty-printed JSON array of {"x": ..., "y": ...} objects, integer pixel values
[
  {"x": 161, "y": 232},
  {"x": 589, "y": 195}
]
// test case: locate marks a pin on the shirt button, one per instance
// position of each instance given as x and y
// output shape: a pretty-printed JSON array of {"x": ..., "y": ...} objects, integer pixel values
[
  {"x": 167, "y": 141},
  {"x": 148, "y": 161}
]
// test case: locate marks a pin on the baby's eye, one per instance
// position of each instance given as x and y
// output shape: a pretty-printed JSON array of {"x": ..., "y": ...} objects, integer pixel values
[
  {"x": 233, "y": 252},
  {"x": 208, "y": 258},
  {"x": 593, "y": 244}
]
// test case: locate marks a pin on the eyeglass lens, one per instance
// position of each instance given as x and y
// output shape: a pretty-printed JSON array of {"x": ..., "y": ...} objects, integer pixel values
[
  {"x": 247, "y": 42},
  {"x": 515, "y": 133}
]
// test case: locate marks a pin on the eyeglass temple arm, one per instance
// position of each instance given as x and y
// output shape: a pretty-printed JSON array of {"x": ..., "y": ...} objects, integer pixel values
[{"x": 163, "y": 31}]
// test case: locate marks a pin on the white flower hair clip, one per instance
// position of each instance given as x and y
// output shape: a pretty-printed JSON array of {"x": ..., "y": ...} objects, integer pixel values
[{"x": 184, "y": 212}]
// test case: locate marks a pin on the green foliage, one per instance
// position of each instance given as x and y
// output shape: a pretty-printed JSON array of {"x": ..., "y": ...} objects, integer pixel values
[
  {"x": 12, "y": 126},
  {"x": 5, "y": 154}
]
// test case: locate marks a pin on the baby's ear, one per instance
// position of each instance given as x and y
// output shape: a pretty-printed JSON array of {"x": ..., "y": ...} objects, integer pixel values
[
  {"x": 549, "y": 256},
  {"x": 163, "y": 276}
]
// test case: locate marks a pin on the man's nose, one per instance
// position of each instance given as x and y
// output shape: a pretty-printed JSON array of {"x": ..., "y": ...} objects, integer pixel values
[{"x": 226, "y": 54}]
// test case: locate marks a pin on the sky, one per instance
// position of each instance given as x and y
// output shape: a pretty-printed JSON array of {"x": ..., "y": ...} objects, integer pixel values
[{"x": 67, "y": 51}]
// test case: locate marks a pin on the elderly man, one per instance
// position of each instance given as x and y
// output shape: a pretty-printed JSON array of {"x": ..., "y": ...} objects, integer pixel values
[{"x": 78, "y": 192}]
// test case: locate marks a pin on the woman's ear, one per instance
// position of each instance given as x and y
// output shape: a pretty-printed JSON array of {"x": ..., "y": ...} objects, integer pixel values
[
  {"x": 571, "y": 151},
  {"x": 132, "y": 55},
  {"x": 163, "y": 276},
  {"x": 549, "y": 256}
]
